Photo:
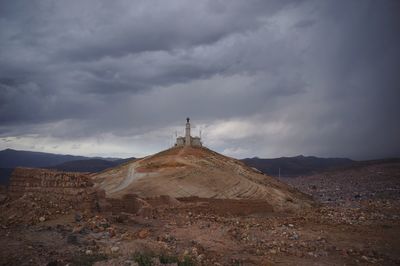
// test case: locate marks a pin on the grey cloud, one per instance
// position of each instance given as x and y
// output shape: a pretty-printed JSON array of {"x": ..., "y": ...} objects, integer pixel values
[
  {"x": 304, "y": 23},
  {"x": 79, "y": 70}
]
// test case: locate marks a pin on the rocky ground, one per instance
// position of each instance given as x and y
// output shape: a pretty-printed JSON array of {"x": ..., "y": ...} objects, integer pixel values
[
  {"x": 352, "y": 185},
  {"x": 357, "y": 222}
]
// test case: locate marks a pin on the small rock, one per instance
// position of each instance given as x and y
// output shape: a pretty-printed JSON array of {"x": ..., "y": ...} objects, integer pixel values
[
  {"x": 114, "y": 249},
  {"x": 294, "y": 236},
  {"x": 365, "y": 258},
  {"x": 200, "y": 258},
  {"x": 42, "y": 219},
  {"x": 143, "y": 233},
  {"x": 78, "y": 229},
  {"x": 78, "y": 216},
  {"x": 88, "y": 252}
]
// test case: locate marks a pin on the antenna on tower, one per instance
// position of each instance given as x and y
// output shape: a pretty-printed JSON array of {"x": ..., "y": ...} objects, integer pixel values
[{"x": 200, "y": 133}]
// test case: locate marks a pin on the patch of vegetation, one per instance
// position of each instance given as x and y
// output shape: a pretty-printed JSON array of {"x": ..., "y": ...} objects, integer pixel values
[
  {"x": 87, "y": 260},
  {"x": 237, "y": 263},
  {"x": 146, "y": 259},
  {"x": 168, "y": 259},
  {"x": 143, "y": 259}
]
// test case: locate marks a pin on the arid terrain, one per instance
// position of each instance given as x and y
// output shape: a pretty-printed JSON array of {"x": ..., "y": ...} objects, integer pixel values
[
  {"x": 53, "y": 218},
  {"x": 186, "y": 172}
]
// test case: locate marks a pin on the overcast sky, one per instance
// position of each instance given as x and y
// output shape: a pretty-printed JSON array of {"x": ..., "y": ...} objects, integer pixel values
[{"x": 258, "y": 78}]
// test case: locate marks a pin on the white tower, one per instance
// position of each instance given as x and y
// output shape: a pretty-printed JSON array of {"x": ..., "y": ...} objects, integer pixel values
[
  {"x": 188, "y": 140},
  {"x": 187, "y": 133}
]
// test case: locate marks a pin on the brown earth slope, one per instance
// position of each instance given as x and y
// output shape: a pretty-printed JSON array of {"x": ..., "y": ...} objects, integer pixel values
[{"x": 185, "y": 172}]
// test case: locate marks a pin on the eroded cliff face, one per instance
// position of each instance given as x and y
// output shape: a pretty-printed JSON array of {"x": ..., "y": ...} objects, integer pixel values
[
  {"x": 63, "y": 187},
  {"x": 42, "y": 180}
]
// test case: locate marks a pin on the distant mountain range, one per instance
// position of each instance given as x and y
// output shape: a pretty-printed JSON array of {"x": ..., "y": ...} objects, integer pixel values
[
  {"x": 306, "y": 165},
  {"x": 13, "y": 158},
  {"x": 9, "y": 159},
  {"x": 295, "y": 166},
  {"x": 88, "y": 165}
]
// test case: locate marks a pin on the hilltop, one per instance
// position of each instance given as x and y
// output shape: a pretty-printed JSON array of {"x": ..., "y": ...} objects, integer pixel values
[{"x": 196, "y": 171}]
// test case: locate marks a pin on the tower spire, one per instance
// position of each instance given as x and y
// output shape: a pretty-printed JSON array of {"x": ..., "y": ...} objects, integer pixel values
[{"x": 187, "y": 133}]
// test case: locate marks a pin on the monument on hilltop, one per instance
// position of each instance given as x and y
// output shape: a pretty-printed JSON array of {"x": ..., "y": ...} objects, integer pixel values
[{"x": 188, "y": 140}]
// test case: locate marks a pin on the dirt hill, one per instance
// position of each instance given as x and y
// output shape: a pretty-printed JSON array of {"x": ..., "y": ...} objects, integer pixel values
[{"x": 186, "y": 172}]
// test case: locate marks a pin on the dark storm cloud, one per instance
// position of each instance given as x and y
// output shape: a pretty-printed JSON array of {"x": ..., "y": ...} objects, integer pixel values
[
  {"x": 319, "y": 77},
  {"x": 94, "y": 48}
]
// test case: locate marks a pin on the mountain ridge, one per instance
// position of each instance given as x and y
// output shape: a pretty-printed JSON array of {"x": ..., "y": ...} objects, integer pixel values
[
  {"x": 289, "y": 166},
  {"x": 296, "y": 165}
]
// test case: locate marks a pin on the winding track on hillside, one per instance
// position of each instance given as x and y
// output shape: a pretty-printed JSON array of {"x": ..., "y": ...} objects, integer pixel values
[{"x": 126, "y": 181}]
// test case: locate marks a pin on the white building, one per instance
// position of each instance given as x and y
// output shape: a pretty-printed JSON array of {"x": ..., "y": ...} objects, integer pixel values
[{"x": 188, "y": 140}]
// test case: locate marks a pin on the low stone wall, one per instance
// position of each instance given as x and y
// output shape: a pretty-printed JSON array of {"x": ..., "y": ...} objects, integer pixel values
[
  {"x": 129, "y": 203},
  {"x": 75, "y": 188},
  {"x": 162, "y": 201},
  {"x": 228, "y": 206}
]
